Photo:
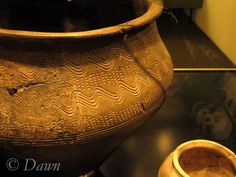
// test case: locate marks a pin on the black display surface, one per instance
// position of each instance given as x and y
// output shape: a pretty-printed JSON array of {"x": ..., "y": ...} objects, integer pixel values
[{"x": 200, "y": 105}]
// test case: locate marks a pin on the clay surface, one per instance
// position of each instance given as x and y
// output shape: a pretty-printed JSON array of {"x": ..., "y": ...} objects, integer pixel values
[{"x": 202, "y": 162}]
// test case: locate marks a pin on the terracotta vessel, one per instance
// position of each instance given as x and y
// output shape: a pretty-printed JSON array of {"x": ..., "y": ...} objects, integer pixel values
[
  {"x": 199, "y": 158},
  {"x": 71, "y": 93}
]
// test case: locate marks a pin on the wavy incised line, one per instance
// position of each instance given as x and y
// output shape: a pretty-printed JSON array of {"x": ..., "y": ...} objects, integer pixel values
[
  {"x": 121, "y": 53},
  {"x": 84, "y": 99},
  {"x": 39, "y": 102},
  {"x": 75, "y": 69},
  {"x": 84, "y": 137},
  {"x": 69, "y": 110},
  {"x": 104, "y": 64},
  {"x": 101, "y": 63},
  {"x": 4, "y": 111},
  {"x": 20, "y": 100},
  {"x": 98, "y": 92},
  {"x": 125, "y": 87},
  {"x": 80, "y": 99},
  {"x": 142, "y": 80},
  {"x": 28, "y": 72},
  {"x": 86, "y": 59}
]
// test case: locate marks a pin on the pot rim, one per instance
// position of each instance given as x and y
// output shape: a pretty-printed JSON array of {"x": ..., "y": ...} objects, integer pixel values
[
  {"x": 227, "y": 153},
  {"x": 155, "y": 8}
]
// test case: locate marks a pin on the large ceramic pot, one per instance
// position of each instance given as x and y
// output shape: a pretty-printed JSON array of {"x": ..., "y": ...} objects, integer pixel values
[
  {"x": 199, "y": 158},
  {"x": 71, "y": 92}
]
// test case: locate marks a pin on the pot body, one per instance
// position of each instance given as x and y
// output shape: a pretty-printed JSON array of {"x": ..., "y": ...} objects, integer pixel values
[
  {"x": 74, "y": 101},
  {"x": 199, "y": 158}
]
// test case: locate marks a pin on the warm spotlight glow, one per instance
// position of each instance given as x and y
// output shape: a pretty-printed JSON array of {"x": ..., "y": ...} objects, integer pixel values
[{"x": 164, "y": 140}]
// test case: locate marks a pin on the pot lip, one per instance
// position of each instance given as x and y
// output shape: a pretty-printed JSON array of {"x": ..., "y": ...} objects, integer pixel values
[
  {"x": 155, "y": 8},
  {"x": 200, "y": 143}
]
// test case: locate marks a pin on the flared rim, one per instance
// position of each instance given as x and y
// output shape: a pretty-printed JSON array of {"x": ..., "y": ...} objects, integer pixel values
[
  {"x": 225, "y": 152},
  {"x": 155, "y": 8}
]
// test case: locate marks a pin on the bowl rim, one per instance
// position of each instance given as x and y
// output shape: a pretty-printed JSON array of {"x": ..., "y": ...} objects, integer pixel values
[
  {"x": 155, "y": 8},
  {"x": 227, "y": 153}
]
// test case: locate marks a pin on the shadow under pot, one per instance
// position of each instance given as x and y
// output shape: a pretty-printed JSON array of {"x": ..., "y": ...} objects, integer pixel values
[{"x": 199, "y": 158}]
